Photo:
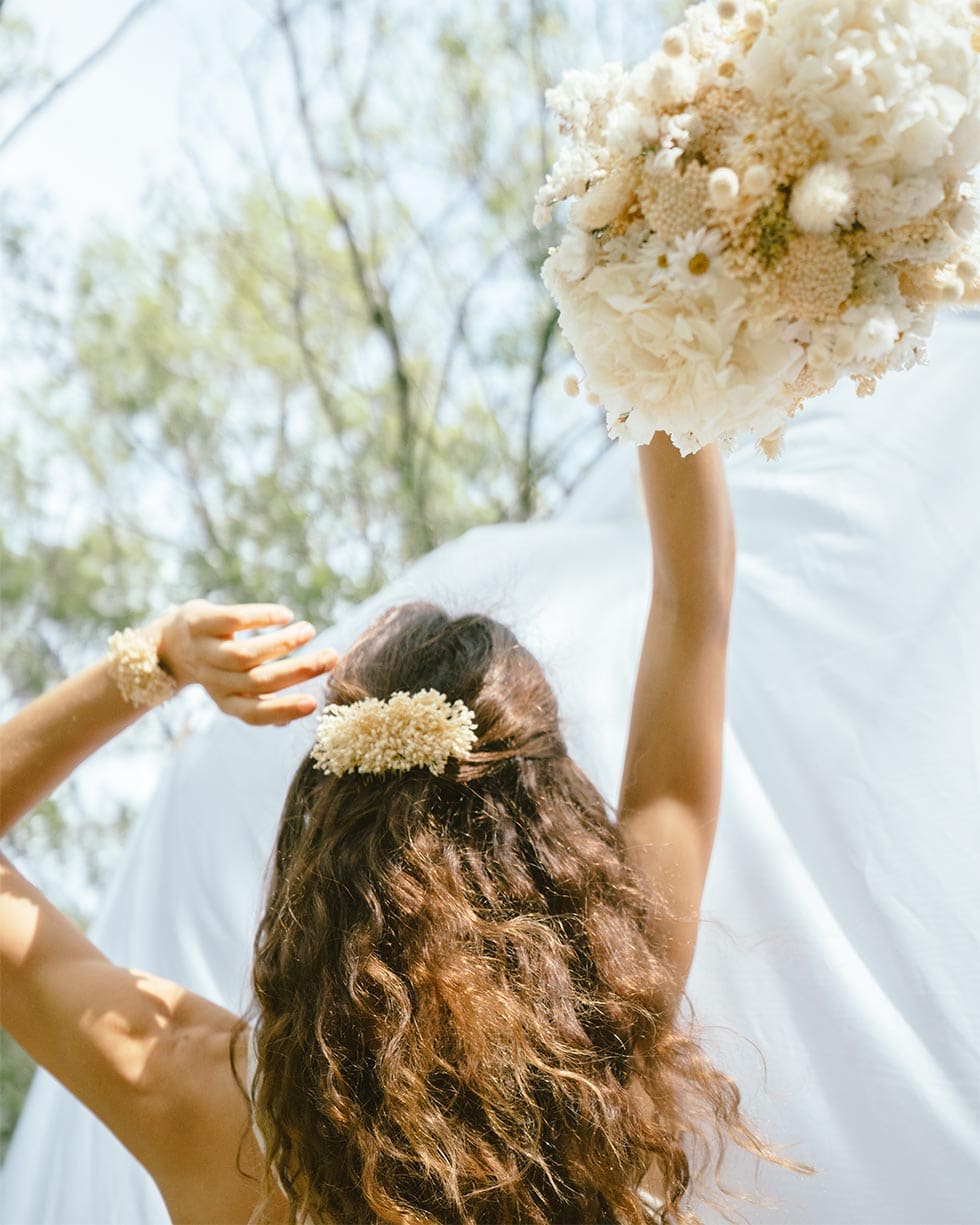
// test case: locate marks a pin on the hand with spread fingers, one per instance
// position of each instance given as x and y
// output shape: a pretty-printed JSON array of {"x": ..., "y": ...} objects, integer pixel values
[{"x": 199, "y": 643}]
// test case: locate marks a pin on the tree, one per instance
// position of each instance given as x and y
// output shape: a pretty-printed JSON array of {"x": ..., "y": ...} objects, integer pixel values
[
  {"x": 292, "y": 381},
  {"x": 320, "y": 372}
]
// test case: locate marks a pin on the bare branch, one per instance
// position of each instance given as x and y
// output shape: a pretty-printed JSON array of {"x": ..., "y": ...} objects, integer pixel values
[
  {"x": 376, "y": 298},
  {"x": 134, "y": 14},
  {"x": 297, "y": 295},
  {"x": 541, "y": 83},
  {"x": 528, "y": 475}
]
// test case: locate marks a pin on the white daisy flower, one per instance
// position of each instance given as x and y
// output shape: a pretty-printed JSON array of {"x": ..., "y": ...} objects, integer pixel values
[
  {"x": 694, "y": 260},
  {"x": 654, "y": 257}
]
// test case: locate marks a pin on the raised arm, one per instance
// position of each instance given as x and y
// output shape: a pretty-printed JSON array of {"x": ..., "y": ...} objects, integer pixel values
[
  {"x": 115, "y": 1037},
  {"x": 671, "y": 786}
]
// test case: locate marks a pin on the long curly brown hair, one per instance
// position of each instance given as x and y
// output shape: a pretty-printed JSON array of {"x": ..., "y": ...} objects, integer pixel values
[{"x": 464, "y": 1011}]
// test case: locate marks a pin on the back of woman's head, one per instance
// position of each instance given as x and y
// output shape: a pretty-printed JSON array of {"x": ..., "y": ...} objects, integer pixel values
[{"x": 464, "y": 1014}]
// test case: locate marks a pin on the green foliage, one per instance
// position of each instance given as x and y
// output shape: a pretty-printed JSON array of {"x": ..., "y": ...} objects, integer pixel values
[
  {"x": 290, "y": 384},
  {"x": 775, "y": 228},
  {"x": 21, "y": 70},
  {"x": 16, "y": 1070},
  {"x": 290, "y": 389}
]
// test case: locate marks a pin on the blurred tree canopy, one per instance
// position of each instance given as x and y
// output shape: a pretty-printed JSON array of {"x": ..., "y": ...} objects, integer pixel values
[
  {"x": 290, "y": 382},
  {"x": 290, "y": 386}
]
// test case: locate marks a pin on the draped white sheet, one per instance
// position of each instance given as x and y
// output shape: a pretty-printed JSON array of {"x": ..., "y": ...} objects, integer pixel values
[{"x": 842, "y": 907}]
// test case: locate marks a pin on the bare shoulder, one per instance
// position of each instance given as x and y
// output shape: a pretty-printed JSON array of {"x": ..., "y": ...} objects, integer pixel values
[
  {"x": 207, "y": 1162},
  {"x": 162, "y": 1067}
]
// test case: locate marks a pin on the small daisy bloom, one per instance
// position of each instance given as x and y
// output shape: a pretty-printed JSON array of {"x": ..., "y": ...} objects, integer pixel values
[
  {"x": 694, "y": 260},
  {"x": 654, "y": 256}
]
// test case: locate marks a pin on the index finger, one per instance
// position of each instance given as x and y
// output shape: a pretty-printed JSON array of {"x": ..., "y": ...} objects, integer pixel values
[{"x": 222, "y": 620}]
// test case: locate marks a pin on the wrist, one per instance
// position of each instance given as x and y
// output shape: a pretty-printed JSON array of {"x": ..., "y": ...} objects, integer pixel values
[
  {"x": 162, "y": 634},
  {"x": 142, "y": 676}
]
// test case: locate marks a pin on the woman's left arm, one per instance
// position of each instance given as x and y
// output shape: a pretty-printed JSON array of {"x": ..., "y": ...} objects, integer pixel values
[{"x": 113, "y": 1036}]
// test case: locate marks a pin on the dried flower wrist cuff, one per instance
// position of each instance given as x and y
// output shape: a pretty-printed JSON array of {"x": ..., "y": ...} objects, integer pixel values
[{"x": 136, "y": 669}]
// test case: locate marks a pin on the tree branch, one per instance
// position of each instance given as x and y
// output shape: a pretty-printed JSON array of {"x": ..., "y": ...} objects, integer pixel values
[
  {"x": 377, "y": 302},
  {"x": 297, "y": 296},
  {"x": 528, "y": 475},
  {"x": 134, "y": 14}
]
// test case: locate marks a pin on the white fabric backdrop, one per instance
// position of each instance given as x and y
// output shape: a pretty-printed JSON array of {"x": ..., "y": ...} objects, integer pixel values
[{"x": 842, "y": 908}]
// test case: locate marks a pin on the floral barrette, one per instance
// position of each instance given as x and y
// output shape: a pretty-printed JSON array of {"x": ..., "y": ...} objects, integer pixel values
[{"x": 402, "y": 732}]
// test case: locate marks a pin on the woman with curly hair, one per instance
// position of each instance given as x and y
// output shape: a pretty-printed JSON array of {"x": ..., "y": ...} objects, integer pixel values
[{"x": 467, "y": 975}]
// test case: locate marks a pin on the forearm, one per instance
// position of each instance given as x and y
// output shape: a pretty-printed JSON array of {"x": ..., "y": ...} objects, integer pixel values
[
  {"x": 671, "y": 786},
  {"x": 44, "y": 742},
  {"x": 193, "y": 644},
  {"x": 691, "y": 523}
]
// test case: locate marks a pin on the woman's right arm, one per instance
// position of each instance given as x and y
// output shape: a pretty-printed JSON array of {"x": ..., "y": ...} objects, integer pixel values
[
  {"x": 146, "y": 1056},
  {"x": 671, "y": 788}
]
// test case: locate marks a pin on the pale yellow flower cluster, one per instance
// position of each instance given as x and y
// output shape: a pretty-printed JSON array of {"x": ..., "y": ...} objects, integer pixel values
[
  {"x": 406, "y": 731},
  {"x": 814, "y": 277},
  {"x": 675, "y": 202}
]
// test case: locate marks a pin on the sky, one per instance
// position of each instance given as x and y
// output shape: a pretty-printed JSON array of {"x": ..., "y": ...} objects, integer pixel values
[
  {"x": 90, "y": 157},
  {"x": 126, "y": 122}
]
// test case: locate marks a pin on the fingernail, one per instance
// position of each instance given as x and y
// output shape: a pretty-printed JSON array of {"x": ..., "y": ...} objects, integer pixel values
[{"x": 304, "y": 629}]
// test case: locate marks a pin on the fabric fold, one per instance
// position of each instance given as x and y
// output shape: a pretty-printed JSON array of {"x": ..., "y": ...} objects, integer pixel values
[{"x": 838, "y": 964}]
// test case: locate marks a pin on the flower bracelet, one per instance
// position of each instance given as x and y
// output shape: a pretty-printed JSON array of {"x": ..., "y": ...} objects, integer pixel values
[{"x": 136, "y": 669}]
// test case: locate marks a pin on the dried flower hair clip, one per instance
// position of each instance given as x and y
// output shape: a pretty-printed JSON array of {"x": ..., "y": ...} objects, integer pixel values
[{"x": 402, "y": 732}]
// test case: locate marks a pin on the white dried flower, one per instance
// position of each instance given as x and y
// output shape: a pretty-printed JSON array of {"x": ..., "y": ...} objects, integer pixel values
[
  {"x": 883, "y": 82},
  {"x": 968, "y": 268},
  {"x": 663, "y": 160},
  {"x": 404, "y": 732},
  {"x": 757, "y": 180},
  {"x": 966, "y": 219},
  {"x": 605, "y": 200},
  {"x": 727, "y": 10},
  {"x": 874, "y": 331},
  {"x": 542, "y": 214},
  {"x": 624, "y": 130},
  {"x": 676, "y": 129},
  {"x": 673, "y": 80},
  {"x": 571, "y": 385},
  {"x": 674, "y": 43},
  {"x": 694, "y": 261},
  {"x": 883, "y": 202},
  {"x": 755, "y": 18},
  {"x": 845, "y": 347},
  {"x": 582, "y": 100},
  {"x": 575, "y": 256},
  {"x": 722, "y": 187},
  {"x": 822, "y": 199}
]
